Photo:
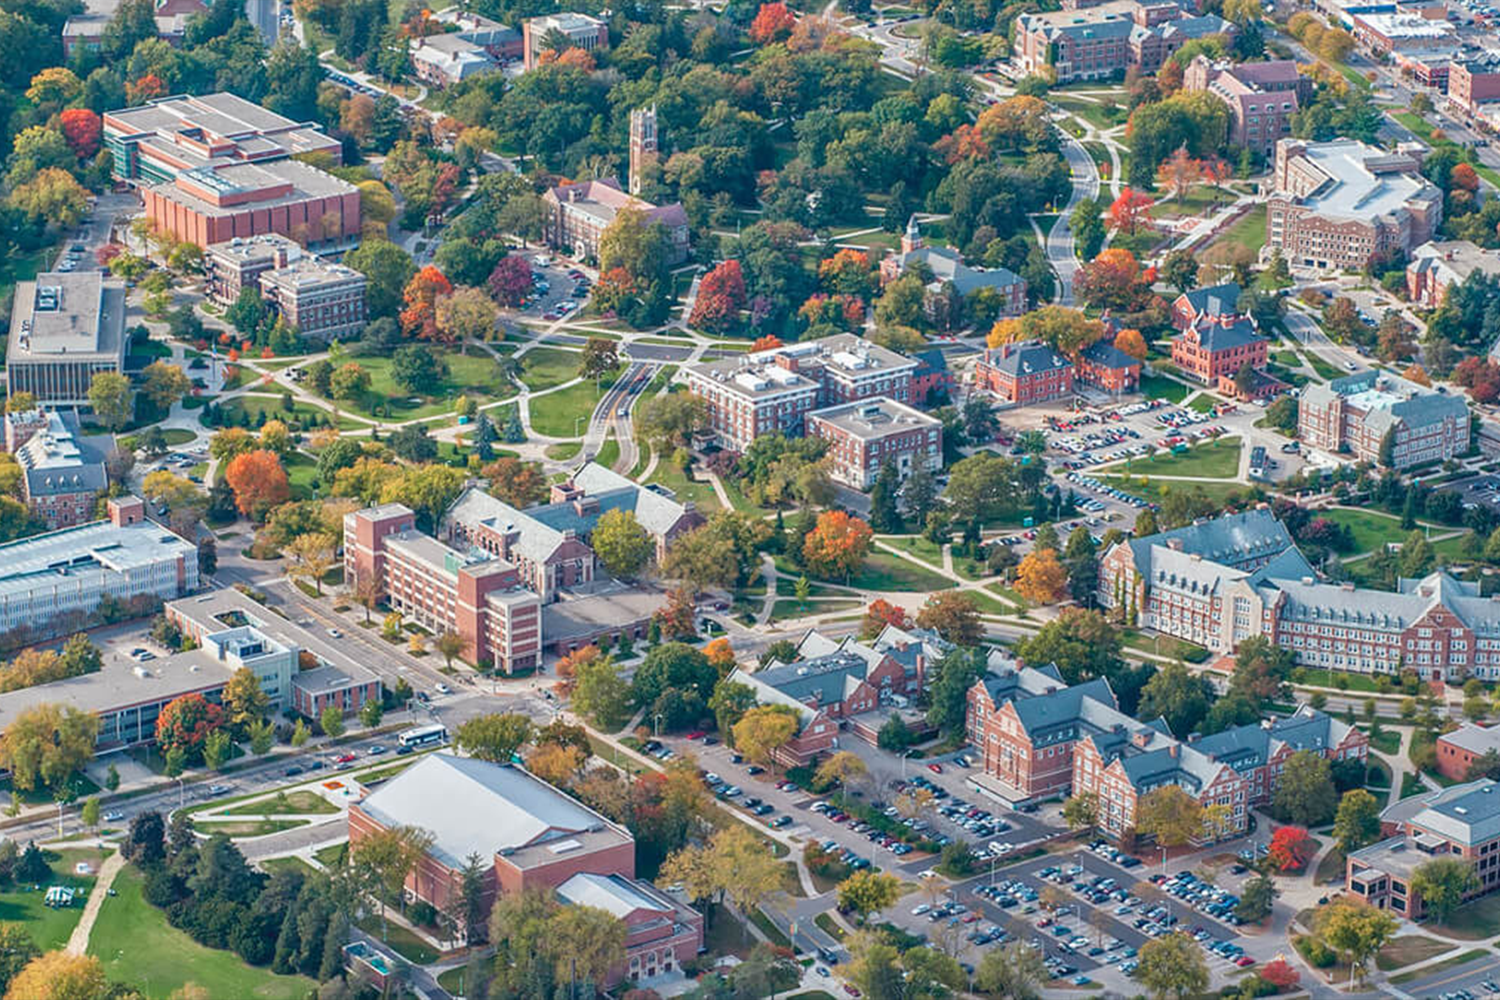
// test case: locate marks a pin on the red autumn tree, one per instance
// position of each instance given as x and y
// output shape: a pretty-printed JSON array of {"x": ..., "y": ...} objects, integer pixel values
[
  {"x": 419, "y": 318},
  {"x": 146, "y": 88},
  {"x": 721, "y": 296},
  {"x": 510, "y": 281},
  {"x": 1111, "y": 280},
  {"x": 1290, "y": 848},
  {"x": 773, "y": 23},
  {"x": 880, "y": 613},
  {"x": 966, "y": 142},
  {"x": 577, "y": 58},
  {"x": 259, "y": 482},
  {"x": 1461, "y": 177},
  {"x": 107, "y": 253},
  {"x": 185, "y": 722},
  {"x": 1179, "y": 172},
  {"x": 444, "y": 189},
  {"x": 82, "y": 128},
  {"x": 1130, "y": 209},
  {"x": 677, "y": 616},
  {"x": 837, "y": 545},
  {"x": 768, "y": 342},
  {"x": 1280, "y": 975}
]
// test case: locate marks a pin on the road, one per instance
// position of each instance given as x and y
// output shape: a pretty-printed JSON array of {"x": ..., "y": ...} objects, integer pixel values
[{"x": 1061, "y": 252}]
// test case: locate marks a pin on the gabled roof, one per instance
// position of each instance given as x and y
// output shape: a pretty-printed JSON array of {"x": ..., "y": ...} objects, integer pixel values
[
  {"x": 1024, "y": 359},
  {"x": 1230, "y": 538},
  {"x": 1215, "y": 335},
  {"x": 614, "y": 894},
  {"x": 1107, "y": 355},
  {"x": 1213, "y": 300}
]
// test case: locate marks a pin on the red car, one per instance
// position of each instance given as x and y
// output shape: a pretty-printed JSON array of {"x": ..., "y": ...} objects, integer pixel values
[
  {"x": 1244, "y": 961},
  {"x": 970, "y": 918},
  {"x": 851, "y": 989},
  {"x": 935, "y": 768},
  {"x": 343, "y": 758},
  {"x": 695, "y": 735}
]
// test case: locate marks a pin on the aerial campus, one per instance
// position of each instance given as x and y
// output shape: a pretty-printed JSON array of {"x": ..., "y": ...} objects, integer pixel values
[{"x": 749, "y": 500}]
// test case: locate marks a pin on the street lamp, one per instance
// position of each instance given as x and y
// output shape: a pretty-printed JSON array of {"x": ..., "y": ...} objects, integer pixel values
[
  {"x": 657, "y": 728},
  {"x": 904, "y": 756}
]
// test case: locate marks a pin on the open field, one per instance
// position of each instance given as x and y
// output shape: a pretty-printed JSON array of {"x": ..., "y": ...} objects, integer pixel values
[{"x": 1217, "y": 459}]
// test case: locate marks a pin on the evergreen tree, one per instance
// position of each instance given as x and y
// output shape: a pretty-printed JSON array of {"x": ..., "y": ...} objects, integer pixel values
[
  {"x": 484, "y": 438},
  {"x": 514, "y": 432},
  {"x": 1388, "y": 449},
  {"x": 885, "y": 518}
]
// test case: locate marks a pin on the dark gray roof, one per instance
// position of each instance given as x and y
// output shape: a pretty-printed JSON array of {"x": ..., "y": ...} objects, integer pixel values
[
  {"x": 1232, "y": 539},
  {"x": 58, "y": 459},
  {"x": 1214, "y": 300},
  {"x": 1103, "y": 353},
  {"x": 1024, "y": 359},
  {"x": 931, "y": 360},
  {"x": 1216, "y": 336},
  {"x": 947, "y": 265}
]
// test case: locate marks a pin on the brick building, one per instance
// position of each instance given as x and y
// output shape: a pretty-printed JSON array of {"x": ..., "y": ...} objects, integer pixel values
[
  {"x": 1104, "y": 366},
  {"x": 1459, "y": 822},
  {"x": 865, "y": 435},
  {"x": 1103, "y": 40},
  {"x": 1261, "y": 97},
  {"x": 1474, "y": 83},
  {"x": 842, "y": 685},
  {"x": 578, "y": 31},
  {"x": 473, "y": 47},
  {"x": 1353, "y": 415},
  {"x": 948, "y": 267},
  {"x": 85, "y": 30},
  {"x": 1208, "y": 302},
  {"x": 578, "y": 215},
  {"x": 1400, "y": 33},
  {"x": 1437, "y": 266},
  {"x": 1216, "y": 347},
  {"x": 62, "y": 472},
  {"x": 1338, "y": 205},
  {"x": 1457, "y": 750},
  {"x": 529, "y": 836},
  {"x": 932, "y": 379},
  {"x": 157, "y": 141},
  {"x": 1024, "y": 373},
  {"x": 775, "y": 390},
  {"x": 65, "y": 328},
  {"x": 323, "y": 300},
  {"x": 214, "y": 204}
]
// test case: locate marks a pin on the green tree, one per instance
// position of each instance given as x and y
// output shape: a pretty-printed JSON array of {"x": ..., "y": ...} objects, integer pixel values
[
  {"x": 1172, "y": 966},
  {"x": 1256, "y": 898},
  {"x": 494, "y": 737},
  {"x": 1357, "y": 821},
  {"x": 1178, "y": 696},
  {"x": 216, "y": 746},
  {"x": 868, "y": 892},
  {"x": 600, "y": 693},
  {"x": 370, "y": 713},
  {"x": 262, "y": 735},
  {"x": 1355, "y": 930},
  {"x": 1081, "y": 811},
  {"x": 1442, "y": 883},
  {"x": 46, "y": 744},
  {"x": 621, "y": 543},
  {"x": 110, "y": 397},
  {"x": 1305, "y": 795},
  {"x": 388, "y": 268},
  {"x": 1015, "y": 972},
  {"x": 332, "y": 721}
]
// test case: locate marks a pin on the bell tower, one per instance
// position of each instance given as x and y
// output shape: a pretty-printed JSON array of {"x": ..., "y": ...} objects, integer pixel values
[{"x": 644, "y": 144}]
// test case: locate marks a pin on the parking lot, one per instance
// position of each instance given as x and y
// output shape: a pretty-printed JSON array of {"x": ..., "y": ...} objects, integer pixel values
[
  {"x": 1480, "y": 490},
  {"x": 1474, "y": 980}
]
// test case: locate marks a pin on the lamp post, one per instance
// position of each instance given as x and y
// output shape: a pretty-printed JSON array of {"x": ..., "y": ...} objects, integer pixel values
[
  {"x": 657, "y": 728},
  {"x": 904, "y": 756}
]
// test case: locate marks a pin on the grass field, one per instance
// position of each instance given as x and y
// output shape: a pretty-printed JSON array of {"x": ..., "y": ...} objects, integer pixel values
[
  {"x": 1463, "y": 958},
  {"x": 546, "y": 367},
  {"x": 884, "y": 571},
  {"x": 131, "y": 937},
  {"x": 263, "y": 408},
  {"x": 301, "y": 470},
  {"x": 1371, "y": 530},
  {"x": 674, "y": 479},
  {"x": 174, "y": 436},
  {"x": 50, "y": 927},
  {"x": 1249, "y": 231},
  {"x": 476, "y": 376},
  {"x": 1217, "y": 459},
  {"x": 1157, "y": 387},
  {"x": 609, "y": 452},
  {"x": 564, "y": 451},
  {"x": 1408, "y": 950},
  {"x": 790, "y": 607},
  {"x": 402, "y": 941},
  {"x": 1315, "y": 677},
  {"x": 557, "y": 413},
  {"x": 303, "y": 802},
  {"x": 1197, "y": 201},
  {"x": 22, "y": 267},
  {"x": 919, "y": 546},
  {"x": 1157, "y": 490}
]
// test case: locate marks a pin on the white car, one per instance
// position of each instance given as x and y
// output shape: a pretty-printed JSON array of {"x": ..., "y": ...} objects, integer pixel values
[
  {"x": 442, "y": 688},
  {"x": 920, "y": 910}
]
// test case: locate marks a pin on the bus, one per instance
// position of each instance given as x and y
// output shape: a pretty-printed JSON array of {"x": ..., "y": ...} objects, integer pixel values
[{"x": 423, "y": 736}]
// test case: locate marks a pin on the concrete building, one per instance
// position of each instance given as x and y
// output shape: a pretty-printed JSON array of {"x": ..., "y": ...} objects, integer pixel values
[
  {"x": 528, "y": 836},
  {"x": 50, "y": 583},
  {"x": 578, "y": 215},
  {"x": 85, "y": 30},
  {"x": 65, "y": 328},
  {"x": 1338, "y": 205},
  {"x": 1102, "y": 41},
  {"x": 1403, "y": 33},
  {"x": 1024, "y": 373},
  {"x": 775, "y": 390},
  {"x": 1436, "y": 267},
  {"x": 645, "y": 145},
  {"x": 578, "y": 31},
  {"x": 865, "y": 435},
  {"x": 1219, "y": 347},
  {"x": 298, "y": 667},
  {"x": 208, "y": 205},
  {"x": 1458, "y": 750},
  {"x": 839, "y": 685},
  {"x": 62, "y": 472},
  {"x": 947, "y": 266},
  {"x": 1353, "y": 414},
  {"x": 468, "y": 46},
  {"x": 1459, "y": 822},
  {"x": 1261, "y": 97},
  {"x": 157, "y": 141}
]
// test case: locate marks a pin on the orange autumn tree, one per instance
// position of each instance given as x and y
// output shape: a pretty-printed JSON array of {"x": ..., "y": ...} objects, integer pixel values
[
  {"x": 1132, "y": 343},
  {"x": 569, "y": 665},
  {"x": 1461, "y": 177},
  {"x": 721, "y": 297},
  {"x": 1111, "y": 280},
  {"x": 720, "y": 656},
  {"x": 847, "y": 272},
  {"x": 259, "y": 482},
  {"x": 1041, "y": 579},
  {"x": 82, "y": 129},
  {"x": 419, "y": 318},
  {"x": 1179, "y": 172},
  {"x": 772, "y": 23},
  {"x": 768, "y": 342},
  {"x": 144, "y": 89},
  {"x": 964, "y": 143},
  {"x": 1417, "y": 374},
  {"x": 837, "y": 545},
  {"x": 1130, "y": 209},
  {"x": 880, "y": 613}
]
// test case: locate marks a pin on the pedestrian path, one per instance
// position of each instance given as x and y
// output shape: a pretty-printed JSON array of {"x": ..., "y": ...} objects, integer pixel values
[{"x": 78, "y": 942}]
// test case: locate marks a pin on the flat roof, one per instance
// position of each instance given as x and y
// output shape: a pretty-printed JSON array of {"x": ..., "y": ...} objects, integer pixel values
[
  {"x": 580, "y": 616},
  {"x": 1352, "y": 190},
  {"x": 875, "y": 418},
  {"x": 77, "y": 314},
  {"x": 306, "y": 273},
  {"x": 307, "y": 182},
  {"x": 119, "y": 685},
  {"x": 28, "y": 563}
]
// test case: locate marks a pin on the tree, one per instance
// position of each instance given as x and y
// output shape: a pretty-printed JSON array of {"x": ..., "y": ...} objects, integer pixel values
[
  {"x": 1442, "y": 884},
  {"x": 1280, "y": 974},
  {"x": 419, "y": 318},
  {"x": 389, "y": 856},
  {"x": 349, "y": 381},
  {"x": 259, "y": 483},
  {"x": 1178, "y": 696},
  {"x": 1256, "y": 899},
  {"x": 466, "y": 314},
  {"x": 510, "y": 281},
  {"x": 1290, "y": 848},
  {"x": 956, "y": 673},
  {"x": 262, "y": 734},
  {"x": 1040, "y": 578},
  {"x": 842, "y": 768},
  {"x": 868, "y": 892},
  {"x": 1130, "y": 209},
  {"x": 880, "y": 613},
  {"x": 721, "y": 298},
  {"x": 621, "y": 543},
  {"x": 312, "y": 556},
  {"x": 1355, "y": 930},
  {"x": 601, "y": 693},
  {"x": 773, "y": 22},
  {"x": 51, "y": 197},
  {"x": 82, "y": 129},
  {"x": 110, "y": 397},
  {"x": 1172, "y": 966},
  {"x": 186, "y": 721},
  {"x": 496, "y": 737},
  {"x": 555, "y": 763},
  {"x": 586, "y": 939},
  {"x": 1179, "y": 172},
  {"x": 837, "y": 545},
  {"x": 1305, "y": 795},
  {"x": 1081, "y": 811},
  {"x": 952, "y": 615},
  {"x": 47, "y": 743},
  {"x": 1015, "y": 971},
  {"x": 449, "y": 645},
  {"x": 165, "y": 384},
  {"x": 1357, "y": 821},
  {"x": 388, "y": 268},
  {"x": 764, "y": 729},
  {"x": 59, "y": 975},
  {"x": 244, "y": 701},
  {"x": 1170, "y": 815}
]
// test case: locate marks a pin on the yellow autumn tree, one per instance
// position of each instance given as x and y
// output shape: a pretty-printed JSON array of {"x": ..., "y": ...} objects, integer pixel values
[{"x": 1040, "y": 578}]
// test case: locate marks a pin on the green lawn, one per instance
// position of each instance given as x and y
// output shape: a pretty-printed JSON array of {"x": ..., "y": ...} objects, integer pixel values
[
  {"x": 476, "y": 376},
  {"x": 263, "y": 408},
  {"x": 301, "y": 470},
  {"x": 564, "y": 451},
  {"x": 1409, "y": 950},
  {"x": 1325, "y": 370},
  {"x": 790, "y": 607},
  {"x": 1314, "y": 677},
  {"x": 557, "y": 414},
  {"x": 1197, "y": 201},
  {"x": 274, "y": 865},
  {"x": 884, "y": 571},
  {"x": 1249, "y": 231},
  {"x": 402, "y": 941},
  {"x": 1159, "y": 387},
  {"x": 919, "y": 546},
  {"x": 546, "y": 367},
  {"x": 669, "y": 475},
  {"x": 302, "y": 802},
  {"x": 1217, "y": 459},
  {"x": 133, "y": 939},
  {"x": 174, "y": 436},
  {"x": 50, "y": 927},
  {"x": 608, "y": 453},
  {"x": 331, "y": 856},
  {"x": 22, "y": 267},
  {"x": 1371, "y": 530}
]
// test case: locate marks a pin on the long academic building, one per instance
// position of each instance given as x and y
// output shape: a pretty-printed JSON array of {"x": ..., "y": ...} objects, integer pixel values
[{"x": 1219, "y": 582}]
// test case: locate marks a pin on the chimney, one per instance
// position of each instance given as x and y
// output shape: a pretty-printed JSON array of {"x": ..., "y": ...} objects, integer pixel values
[
  {"x": 1141, "y": 738},
  {"x": 1172, "y": 750},
  {"x": 1175, "y": 544},
  {"x": 125, "y": 511},
  {"x": 565, "y": 491},
  {"x": 1194, "y": 737}
]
